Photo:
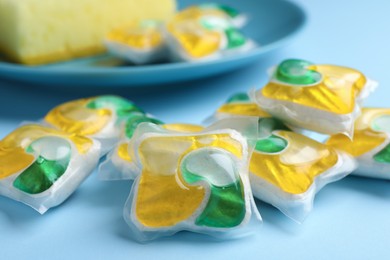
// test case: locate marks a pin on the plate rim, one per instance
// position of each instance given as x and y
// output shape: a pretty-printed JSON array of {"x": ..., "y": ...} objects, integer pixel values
[{"x": 259, "y": 50}]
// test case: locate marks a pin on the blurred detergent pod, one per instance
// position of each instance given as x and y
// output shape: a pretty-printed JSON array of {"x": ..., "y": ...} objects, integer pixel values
[
  {"x": 204, "y": 33},
  {"x": 370, "y": 144},
  {"x": 140, "y": 43},
  {"x": 190, "y": 181},
  {"x": 42, "y": 167},
  {"x": 321, "y": 98},
  {"x": 98, "y": 117}
]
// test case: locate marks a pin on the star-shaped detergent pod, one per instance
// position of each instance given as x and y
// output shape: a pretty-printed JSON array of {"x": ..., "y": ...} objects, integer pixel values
[
  {"x": 119, "y": 164},
  {"x": 41, "y": 166},
  {"x": 286, "y": 168},
  {"x": 321, "y": 98},
  {"x": 189, "y": 181},
  {"x": 97, "y": 117},
  {"x": 370, "y": 144},
  {"x": 141, "y": 42},
  {"x": 206, "y": 32}
]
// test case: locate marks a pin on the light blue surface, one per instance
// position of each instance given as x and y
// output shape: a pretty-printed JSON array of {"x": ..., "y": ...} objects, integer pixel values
[
  {"x": 279, "y": 22},
  {"x": 350, "y": 220}
]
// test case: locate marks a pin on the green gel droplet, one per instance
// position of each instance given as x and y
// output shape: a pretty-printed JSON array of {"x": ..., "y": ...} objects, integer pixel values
[
  {"x": 122, "y": 106},
  {"x": 235, "y": 38},
  {"x": 272, "y": 144},
  {"x": 46, "y": 169},
  {"x": 225, "y": 208},
  {"x": 239, "y": 97},
  {"x": 226, "y": 205},
  {"x": 383, "y": 156},
  {"x": 229, "y": 10},
  {"x": 134, "y": 120},
  {"x": 295, "y": 72}
]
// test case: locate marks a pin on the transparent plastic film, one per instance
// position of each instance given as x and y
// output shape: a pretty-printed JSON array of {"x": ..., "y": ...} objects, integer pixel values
[
  {"x": 238, "y": 105},
  {"x": 119, "y": 163}
]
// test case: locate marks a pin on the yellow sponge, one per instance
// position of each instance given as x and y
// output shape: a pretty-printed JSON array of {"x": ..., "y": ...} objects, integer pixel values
[{"x": 43, "y": 31}]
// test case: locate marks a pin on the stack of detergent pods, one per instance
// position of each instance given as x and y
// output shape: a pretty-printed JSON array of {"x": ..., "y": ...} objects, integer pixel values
[
  {"x": 204, "y": 178},
  {"x": 202, "y": 32}
]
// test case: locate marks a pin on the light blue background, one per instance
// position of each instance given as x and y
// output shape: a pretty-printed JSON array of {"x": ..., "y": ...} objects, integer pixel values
[{"x": 350, "y": 220}]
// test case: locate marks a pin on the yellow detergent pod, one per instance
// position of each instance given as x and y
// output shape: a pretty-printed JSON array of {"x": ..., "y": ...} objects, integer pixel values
[
  {"x": 370, "y": 143},
  {"x": 42, "y": 167},
  {"x": 321, "y": 98},
  {"x": 189, "y": 181},
  {"x": 140, "y": 43},
  {"x": 286, "y": 168},
  {"x": 97, "y": 117},
  {"x": 206, "y": 32}
]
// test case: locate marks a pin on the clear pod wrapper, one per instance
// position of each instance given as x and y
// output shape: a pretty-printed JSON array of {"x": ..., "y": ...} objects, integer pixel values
[
  {"x": 321, "y": 98},
  {"x": 196, "y": 182},
  {"x": 370, "y": 145},
  {"x": 42, "y": 167},
  {"x": 234, "y": 16},
  {"x": 204, "y": 33},
  {"x": 100, "y": 118},
  {"x": 139, "y": 43},
  {"x": 238, "y": 105},
  {"x": 119, "y": 165},
  {"x": 286, "y": 168}
]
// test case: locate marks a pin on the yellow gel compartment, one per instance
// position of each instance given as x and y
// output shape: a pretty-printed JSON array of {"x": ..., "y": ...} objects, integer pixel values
[
  {"x": 183, "y": 128},
  {"x": 336, "y": 92},
  {"x": 75, "y": 117},
  {"x": 195, "y": 40},
  {"x": 243, "y": 109},
  {"x": 163, "y": 198},
  {"x": 137, "y": 37},
  {"x": 342, "y": 74},
  {"x": 365, "y": 138},
  {"x": 123, "y": 152},
  {"x": 294, "y": 169},
  {"x": 178, "y": 127},
  {"x": 363, "y": 142},
  {"x": 14, "y": 158}
]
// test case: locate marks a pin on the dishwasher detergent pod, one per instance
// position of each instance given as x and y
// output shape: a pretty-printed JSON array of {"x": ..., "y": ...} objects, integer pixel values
[{"x": 321, "y": 98}]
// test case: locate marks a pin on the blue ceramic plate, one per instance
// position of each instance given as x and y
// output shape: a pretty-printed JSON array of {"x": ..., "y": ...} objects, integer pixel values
[{"x": 271, "y": 24}]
